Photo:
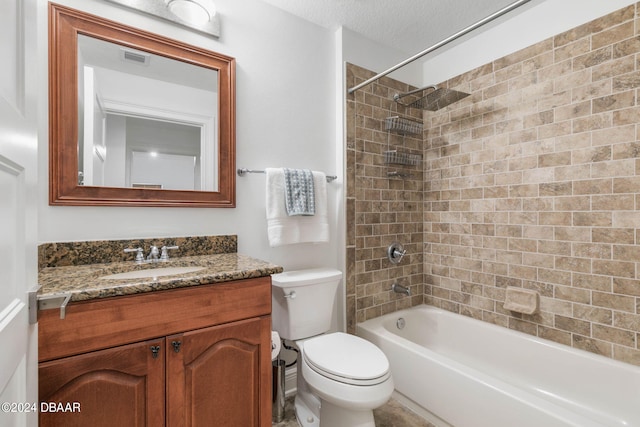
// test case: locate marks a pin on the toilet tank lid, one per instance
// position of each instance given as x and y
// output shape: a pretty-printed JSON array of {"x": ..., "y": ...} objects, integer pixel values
[{"x": 305, "y": 277}]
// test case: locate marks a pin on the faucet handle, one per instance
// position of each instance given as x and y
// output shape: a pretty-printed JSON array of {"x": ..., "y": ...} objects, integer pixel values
[
  {"x": 395, "y": 252},
  {"x": 165, "y": 254},
  {"x": 138, "y": 251}
]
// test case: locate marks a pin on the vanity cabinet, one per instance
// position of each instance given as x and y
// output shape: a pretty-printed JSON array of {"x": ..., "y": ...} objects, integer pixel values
[
  {"x": 197, "y": 356},
  {"x": 121, "y": 386},
  {"x": 214, "y": 379}
]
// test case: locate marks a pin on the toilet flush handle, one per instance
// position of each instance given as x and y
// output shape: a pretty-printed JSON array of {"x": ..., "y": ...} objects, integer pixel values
[{"x": 291, "y": 295}]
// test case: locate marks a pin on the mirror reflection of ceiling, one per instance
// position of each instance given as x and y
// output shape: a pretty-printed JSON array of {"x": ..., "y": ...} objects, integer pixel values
[
  {"x": 409, "y": 26},
  {"x": 139, "y": 135},
  {"x": 108, "y": 55}
]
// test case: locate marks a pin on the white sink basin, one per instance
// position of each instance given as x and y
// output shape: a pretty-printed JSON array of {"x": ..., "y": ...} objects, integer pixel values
[{"x": 152, "y": 272}]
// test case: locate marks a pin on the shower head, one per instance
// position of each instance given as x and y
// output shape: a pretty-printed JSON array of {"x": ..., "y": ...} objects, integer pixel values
[
  {"x": 433, "y": 101},
  {"x": 438, "y": 99}
]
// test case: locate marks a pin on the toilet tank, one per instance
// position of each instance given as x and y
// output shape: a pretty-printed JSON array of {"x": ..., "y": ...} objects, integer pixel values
[{"x": 302, "y": 301}]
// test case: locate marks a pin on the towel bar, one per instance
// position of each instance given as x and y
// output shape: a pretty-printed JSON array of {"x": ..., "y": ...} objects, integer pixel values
[{"x": 243, "y": 171}]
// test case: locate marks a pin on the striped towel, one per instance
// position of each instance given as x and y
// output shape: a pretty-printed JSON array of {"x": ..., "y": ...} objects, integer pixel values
[{"x": 299, "y": 192}]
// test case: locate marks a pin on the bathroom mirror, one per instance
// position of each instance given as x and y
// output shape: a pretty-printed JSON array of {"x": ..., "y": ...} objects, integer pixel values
[{"x": 137, "y": 119}]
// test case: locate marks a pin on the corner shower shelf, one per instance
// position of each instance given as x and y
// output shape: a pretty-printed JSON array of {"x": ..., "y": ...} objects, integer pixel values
[
  {"x": 393, "y": 157},
  {"x": 403, "y": 126}
]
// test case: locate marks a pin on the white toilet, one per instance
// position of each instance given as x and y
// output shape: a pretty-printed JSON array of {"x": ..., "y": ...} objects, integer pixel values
[{"x": 341, "y": 377}]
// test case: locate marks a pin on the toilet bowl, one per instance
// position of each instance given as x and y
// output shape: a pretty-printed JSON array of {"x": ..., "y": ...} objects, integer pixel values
[
  {"x": 351, "y": 377},
  {"x": 341, "y": 377}
]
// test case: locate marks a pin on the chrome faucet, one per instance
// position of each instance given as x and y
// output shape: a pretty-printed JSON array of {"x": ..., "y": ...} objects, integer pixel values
[
  {"x": 399, "y": 289},
  {"x": 153, "y": 254}
]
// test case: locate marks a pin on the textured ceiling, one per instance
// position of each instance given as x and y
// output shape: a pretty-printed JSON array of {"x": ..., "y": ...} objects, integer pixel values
[{"x": 407, "y": 25}]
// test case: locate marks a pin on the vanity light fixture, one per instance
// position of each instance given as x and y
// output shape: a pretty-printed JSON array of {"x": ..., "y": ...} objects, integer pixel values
[
  {"x": 199, "y": 15},
  {"x": 197, "y": 12}
]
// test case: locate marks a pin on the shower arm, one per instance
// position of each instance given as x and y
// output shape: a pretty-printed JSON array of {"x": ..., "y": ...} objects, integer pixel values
[
  {"x": 397, "y": 96},
  {"x": 438, "y": 45}
]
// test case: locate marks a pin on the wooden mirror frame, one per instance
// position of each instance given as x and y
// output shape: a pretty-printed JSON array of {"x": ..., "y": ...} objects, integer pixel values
[{"x": 65, "y": 24}]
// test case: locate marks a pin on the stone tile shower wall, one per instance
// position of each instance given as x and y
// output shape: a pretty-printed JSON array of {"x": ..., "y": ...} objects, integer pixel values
[
  {"x": 534, "y": 181},
  {"x": 380, "y": 210}
]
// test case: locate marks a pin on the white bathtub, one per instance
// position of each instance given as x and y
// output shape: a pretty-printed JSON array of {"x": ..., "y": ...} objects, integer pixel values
[{"x": 468, "y": 373}]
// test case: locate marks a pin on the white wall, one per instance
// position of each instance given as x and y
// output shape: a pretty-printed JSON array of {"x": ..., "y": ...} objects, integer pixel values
[
  {"x": 358, "y": 50},
  {"x": 527, "y": 25},
  {"x": 284, "y": 118}
]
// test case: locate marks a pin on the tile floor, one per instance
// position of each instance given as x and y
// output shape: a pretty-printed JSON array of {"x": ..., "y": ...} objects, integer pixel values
[{"x": 393, "y": 414}]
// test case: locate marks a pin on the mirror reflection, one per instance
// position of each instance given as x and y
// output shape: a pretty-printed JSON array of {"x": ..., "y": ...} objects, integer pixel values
[
  {"x": 145, "y": 120},
  {"x": 121, "y": 134}
]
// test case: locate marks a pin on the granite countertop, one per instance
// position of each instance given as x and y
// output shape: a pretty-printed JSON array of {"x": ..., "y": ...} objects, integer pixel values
[{"x": 84, "y": 282}]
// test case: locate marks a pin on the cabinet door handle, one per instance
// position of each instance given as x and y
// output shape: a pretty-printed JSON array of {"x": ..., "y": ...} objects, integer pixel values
[
  {"x": 176, "y": 346},
  {"x": 155, "y": 349}
]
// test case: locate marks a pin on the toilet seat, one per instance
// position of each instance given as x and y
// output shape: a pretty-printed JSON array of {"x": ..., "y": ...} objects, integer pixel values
[{"x": 347, "y": 359}]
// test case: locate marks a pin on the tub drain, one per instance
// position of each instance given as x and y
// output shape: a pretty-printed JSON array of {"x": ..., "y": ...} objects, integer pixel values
[{"x": 400, "y": 323}]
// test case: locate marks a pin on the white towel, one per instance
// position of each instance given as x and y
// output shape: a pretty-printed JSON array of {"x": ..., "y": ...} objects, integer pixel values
[{"x": 286, "y": 230}]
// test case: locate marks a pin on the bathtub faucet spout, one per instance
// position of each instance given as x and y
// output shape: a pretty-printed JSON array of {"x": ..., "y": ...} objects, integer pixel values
[{"x": 399, "y": 289}]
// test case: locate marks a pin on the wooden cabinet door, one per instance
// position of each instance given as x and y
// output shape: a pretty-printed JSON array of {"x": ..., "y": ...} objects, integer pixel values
[
  {"x": 121, "y": 386},
  {"x": 220, "y": 376}
]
